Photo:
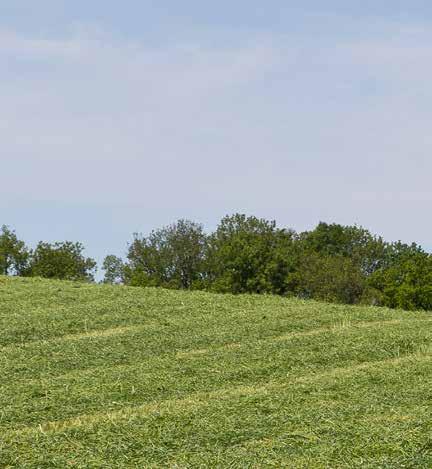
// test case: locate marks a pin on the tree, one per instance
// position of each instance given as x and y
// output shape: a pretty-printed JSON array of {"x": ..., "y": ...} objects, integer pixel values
[
  {"x": 358, "y": 244},
  {"x": 171, "y": 257},
  {"x": 114, "y": 269},
  {"x": 62, "y": 260},
  {"x": 14, "y": 255},
  {"x": 248, "y": 255},
  {"x": 406, "y": 280},
  {"x": 328, "y": 278}
]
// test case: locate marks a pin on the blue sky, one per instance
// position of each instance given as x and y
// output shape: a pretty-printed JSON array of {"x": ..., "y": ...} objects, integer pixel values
[{"x": 119, "y": 117}]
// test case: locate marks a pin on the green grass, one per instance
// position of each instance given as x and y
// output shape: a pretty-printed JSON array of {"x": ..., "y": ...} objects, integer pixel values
[{"x": 113, "y": 377}]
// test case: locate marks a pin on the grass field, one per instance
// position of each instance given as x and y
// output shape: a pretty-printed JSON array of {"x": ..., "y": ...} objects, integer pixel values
[{"x": 112, "y": 377}]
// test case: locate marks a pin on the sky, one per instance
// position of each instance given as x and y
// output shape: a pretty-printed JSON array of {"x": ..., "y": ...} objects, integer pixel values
[{"x": 121, "y": 117}]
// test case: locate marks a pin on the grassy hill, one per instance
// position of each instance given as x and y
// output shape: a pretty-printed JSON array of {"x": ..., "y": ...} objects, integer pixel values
[{"x": 110, "y": 377}]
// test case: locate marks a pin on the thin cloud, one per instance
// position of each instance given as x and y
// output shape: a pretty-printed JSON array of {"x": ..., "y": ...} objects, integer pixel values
[{"x": 275, "y": 124}]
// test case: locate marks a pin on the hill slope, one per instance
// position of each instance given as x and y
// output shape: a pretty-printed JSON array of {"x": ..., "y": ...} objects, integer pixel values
[{"x": 109, "y": 377}]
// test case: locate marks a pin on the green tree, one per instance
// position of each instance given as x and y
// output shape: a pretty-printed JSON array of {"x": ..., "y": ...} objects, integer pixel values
[
  {"x": 328, "y": 278},
  {"x": 406, "y": 280},
  {"x": 62, "y": 260},
  {"x": 14, "y": 255},
  {"x": 114, "y": 269},
  {"x": 248, "y": 255},
  {"x": 364, "y": 249},
  {"x": 171, "y": 257}
]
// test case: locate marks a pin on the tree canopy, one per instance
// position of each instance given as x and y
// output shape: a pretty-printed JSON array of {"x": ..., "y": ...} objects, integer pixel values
[
  {"x": 14, "y": 255},
  {"x": 246, "y": 254},
  {"x": 61, "y": 260}
]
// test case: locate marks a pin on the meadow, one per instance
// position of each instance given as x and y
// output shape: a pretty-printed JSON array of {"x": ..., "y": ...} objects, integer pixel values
[{"x": 101, "y": 376}]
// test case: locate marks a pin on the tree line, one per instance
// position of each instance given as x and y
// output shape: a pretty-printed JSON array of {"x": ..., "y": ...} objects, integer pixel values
[{"x": 245, "y": 254}]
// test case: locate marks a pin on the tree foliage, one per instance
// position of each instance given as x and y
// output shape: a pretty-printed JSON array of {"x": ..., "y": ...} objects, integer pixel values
[
  {"x": 345, "y": 264},
  {"x": 171, "y": 257},
  {"x": 246, "y": 254},
  {"x": 114, "y": 269},
  {"x": 366, "y": 251},
  {"x": 329, "y": 278},
  {"x": 62, "y": 260},
  {"x": 14, "y": 255},
  {"x": 406, "y": 281}
]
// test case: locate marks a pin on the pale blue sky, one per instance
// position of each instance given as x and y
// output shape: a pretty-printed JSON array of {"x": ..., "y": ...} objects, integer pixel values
[{"x": 118, "y": 117}]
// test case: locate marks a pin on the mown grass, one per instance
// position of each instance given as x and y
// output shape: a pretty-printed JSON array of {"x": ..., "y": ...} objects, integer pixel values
[{"x": 110, "y": 377}]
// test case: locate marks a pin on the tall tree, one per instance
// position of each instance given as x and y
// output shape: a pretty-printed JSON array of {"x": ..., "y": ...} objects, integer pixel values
[
  {"x": 14, "y": 255},
  {"x": 171, "y": 257},
  {"x": 368, "y": 252},
  {"x": 114, "y": 269},
  {"x": 248, "y": 255}
]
